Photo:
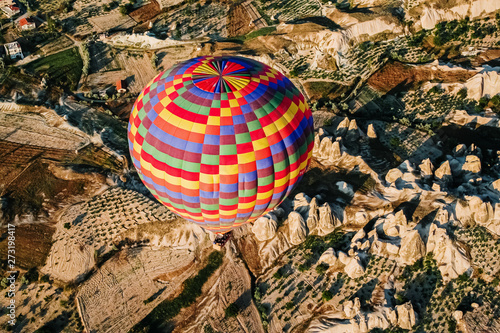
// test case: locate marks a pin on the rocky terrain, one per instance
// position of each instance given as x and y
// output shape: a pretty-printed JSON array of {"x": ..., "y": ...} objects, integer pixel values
[{"x": 394, "y": 228}]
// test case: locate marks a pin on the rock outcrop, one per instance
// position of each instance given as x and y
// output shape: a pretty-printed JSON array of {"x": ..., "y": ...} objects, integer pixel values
[
  {"x": 297, "y": 228},
  {"x": 326, "y": 223},
  {"x": 264, "y": 228},
  {"x": 451, "y": 259},
  {"x": 406, "y": 315},
  {"x": 412, "y": 248},
  {"x": 328, "y": 257}
]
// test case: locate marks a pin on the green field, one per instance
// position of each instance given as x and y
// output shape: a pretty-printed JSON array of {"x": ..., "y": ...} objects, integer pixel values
[{"x": 63, "y": 69}]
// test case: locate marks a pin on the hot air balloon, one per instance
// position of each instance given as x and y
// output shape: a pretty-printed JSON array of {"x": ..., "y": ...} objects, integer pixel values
[{"x": 220, "y": 141}]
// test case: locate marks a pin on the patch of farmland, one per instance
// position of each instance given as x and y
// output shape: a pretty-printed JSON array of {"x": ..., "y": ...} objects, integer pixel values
[
  {"x": 232, "y": 286},
  {"x": 139, "y": 70},
  {"x": 92, "y": 228},
  {"x": 287, "y": 10},
  {"x": 102, "y": 58},
  {"x": 63, "y": 68},
  {"x": 111, "y": 21},
  {"x": 240, "y": 23},
  {"x": 136, "y": 69},
  {"x": 30, "y": 129},
  {"x": 59, "y": 44},
  {"x": 211, "y": 21},
  {"x": 129, "y": 286},
  {"x": 16, "y": 157},
  {"x": 36, "y": 240},
  {"x": 146, "y": 12},
  {"x": 42, "y": 305},
  {"x": 168, "y": 57}
]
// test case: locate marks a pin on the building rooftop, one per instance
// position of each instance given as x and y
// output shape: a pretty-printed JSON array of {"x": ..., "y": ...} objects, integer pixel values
[
  {"x": 12, "y": 46},
  {"x": 25, "y": 20}
]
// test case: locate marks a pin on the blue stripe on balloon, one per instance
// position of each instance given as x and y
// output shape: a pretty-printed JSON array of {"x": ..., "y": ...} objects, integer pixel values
[
  {"x": 173, "y": 141},
  {"x": 209, "y": 195},
  {"x": 227, "y": 130},
  {"x": 228, "y": 188},
  {"x": 265, "y": 163},
  {"x": 239, "y": 118},
  {"x": 212, "y": 139}
]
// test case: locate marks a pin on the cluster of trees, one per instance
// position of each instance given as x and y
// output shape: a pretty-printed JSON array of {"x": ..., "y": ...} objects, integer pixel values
[
  {"x": 454, "y": 30},
  {"x": 110, "y": 6},
  {"x": 84, "y": 52},
  {"x": 261, "y": 308},
  {"x": 493, "y": 102},
  {"x": 127, "y": 8}
]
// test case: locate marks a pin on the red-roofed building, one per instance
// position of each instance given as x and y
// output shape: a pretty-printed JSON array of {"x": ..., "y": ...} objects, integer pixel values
[
  {"x": 121, "y": 86},
  {"x": 11, "y": 10},
  {"x": 26, "y": 23}
]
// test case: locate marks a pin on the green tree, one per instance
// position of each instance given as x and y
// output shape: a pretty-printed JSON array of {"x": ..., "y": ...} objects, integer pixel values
[
  {"x": 321, "y": 268},
  {"x": 326, "y": 295},
  {"x": 462, "y": 93},
  {"x": 232, "y": 310},
  {"x": 495, "y": 100},
  {"x": 125, "y": 9},
  {"x": 51, "y": 24}
]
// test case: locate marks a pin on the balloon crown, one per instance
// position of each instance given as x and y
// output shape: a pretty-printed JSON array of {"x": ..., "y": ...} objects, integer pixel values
[{"x": 219, "y": 75}]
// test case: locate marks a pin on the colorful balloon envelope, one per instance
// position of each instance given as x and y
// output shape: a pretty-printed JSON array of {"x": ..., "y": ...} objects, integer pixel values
[{"x": 220, "y": 140}]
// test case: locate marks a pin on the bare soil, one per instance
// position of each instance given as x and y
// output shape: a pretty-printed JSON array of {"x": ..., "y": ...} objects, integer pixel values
[
  {"x": 324, "y": 89},
  {"x": 146, "y": 12},
  {"x": 400, "y": 76},
  {"x": 240, "y": 22},
  {"x": 37, "y": 191},
  {"x": 489, "y": 57},
  {"x": 34, "y": 243}
]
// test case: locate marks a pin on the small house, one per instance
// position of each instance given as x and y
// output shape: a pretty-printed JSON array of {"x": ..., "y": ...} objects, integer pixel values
[
  {"x": 11, "y": 10},
  {"x": 14, "y": 50},
  {"x": 26, "y": 23},
  {"x": 121, "y": 86}
]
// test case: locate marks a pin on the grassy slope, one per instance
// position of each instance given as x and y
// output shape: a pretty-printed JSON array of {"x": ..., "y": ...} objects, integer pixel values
[{"x": 63, "y": 68}]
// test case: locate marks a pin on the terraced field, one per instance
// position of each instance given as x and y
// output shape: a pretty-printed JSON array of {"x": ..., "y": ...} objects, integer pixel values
[{"x": 288, "y": 10}]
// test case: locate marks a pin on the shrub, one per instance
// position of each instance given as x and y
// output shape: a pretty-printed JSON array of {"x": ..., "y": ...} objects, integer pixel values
[
  {"x": 232, "y": 310},
  {"x": 31, "y": 274},
  {"x": 67, "y": 225},
  {"x": 483, "y": 102},
  {"x": 326, "y": 295},
  {"x": 289, "y": 305},
  {"x": 395, "y": 142},
  {"x": 208, "y": 329},
  {"x": 303, "y": 268},
  {"x": 321, "y": 268},
  {"x": 462, "y": 93}
]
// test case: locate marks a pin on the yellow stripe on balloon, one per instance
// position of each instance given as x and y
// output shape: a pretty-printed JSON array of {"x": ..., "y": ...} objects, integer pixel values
[
  {"x": 205, "y": 69},
  {"x": 209, "y": 179},
  {"x": 260, "y": 144},
  {"x": 246, "y": 205},
  {"x": 228, "y": 169}
]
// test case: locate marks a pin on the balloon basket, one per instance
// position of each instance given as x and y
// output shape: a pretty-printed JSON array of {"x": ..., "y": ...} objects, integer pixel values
[{"x": 221, "y": 240}]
